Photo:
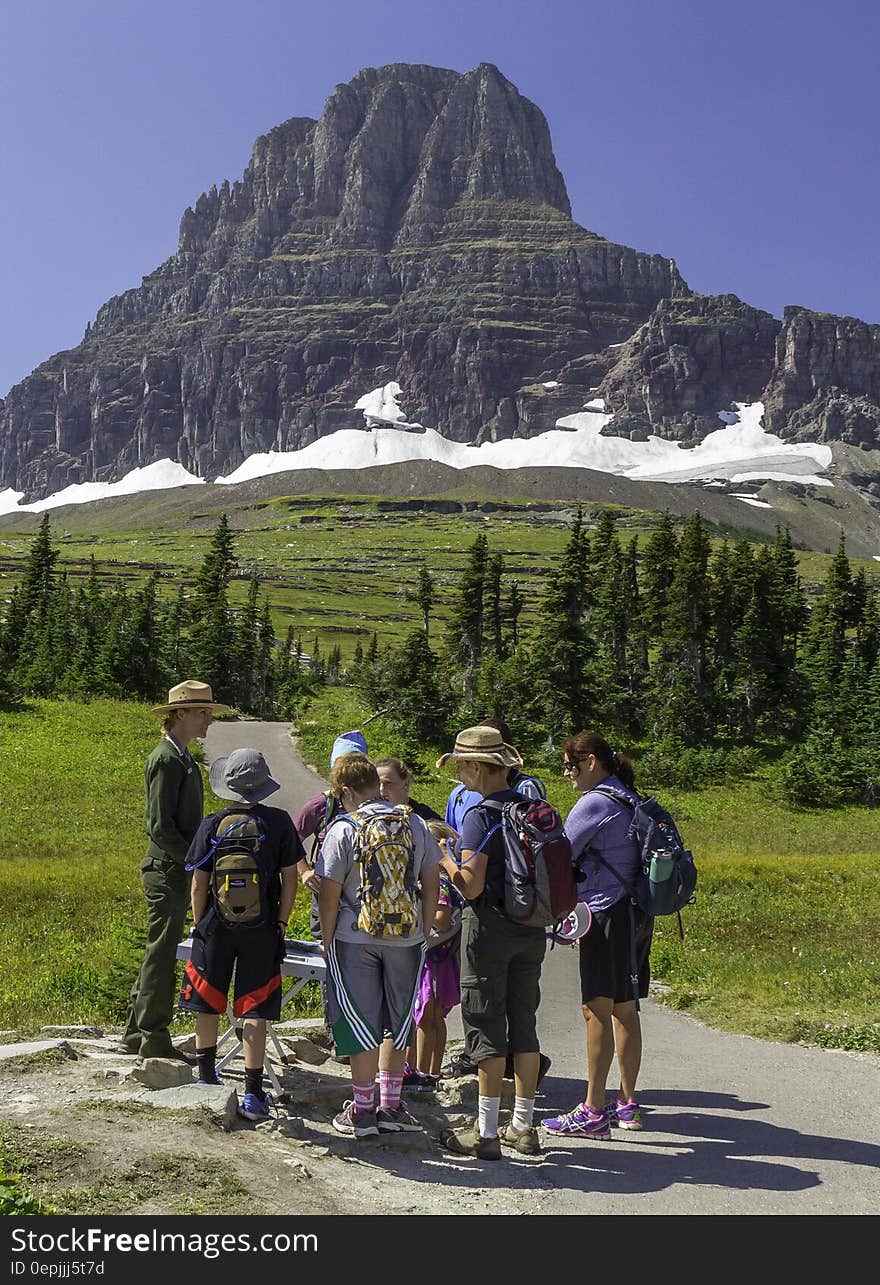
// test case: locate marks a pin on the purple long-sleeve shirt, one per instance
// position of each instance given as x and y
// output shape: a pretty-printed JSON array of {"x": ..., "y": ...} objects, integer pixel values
[{"x": 599, "y": 823}]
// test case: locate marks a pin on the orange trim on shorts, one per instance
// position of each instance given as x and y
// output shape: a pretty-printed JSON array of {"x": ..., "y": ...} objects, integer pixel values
[
  {"x": 254, "y": 999},
  {"x": 215, "y": 999}
]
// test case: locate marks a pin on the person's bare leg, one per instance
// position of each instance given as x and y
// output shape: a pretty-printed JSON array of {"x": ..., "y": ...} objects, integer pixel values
[
  {"x": 490, "y": 1073},
  {"x": 253, "y": 1037},
  {"x": 600, "y": 1048},
  {"x": 365, "y": 1065},
  {"x": 628, "y": 1045},
  {"x": 390, "y": 1058},
  {"x": 206, "y": 1030},
  {"x": 525, "y": 1074},
  {"x": 439, "y": 1042},
  {"x": 425, "y": 1041}
]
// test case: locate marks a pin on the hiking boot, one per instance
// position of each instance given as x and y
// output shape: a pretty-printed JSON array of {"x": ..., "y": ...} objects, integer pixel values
[
  {"x": 467, "y": 1142},
  {"x": 356, "y": 1124},
  {"x": 626, "y": 1115},
  {"x": 171, "y": 1054},
  {"x": 525, "y": 1141},
  {"x": 396, "y": 1120},
  {"x": 457, "y": 1067},
  {"x": 256, "y": 1106},
  {"x": 125, "y": 1049},
  {"x": 582, "y": 1122}
]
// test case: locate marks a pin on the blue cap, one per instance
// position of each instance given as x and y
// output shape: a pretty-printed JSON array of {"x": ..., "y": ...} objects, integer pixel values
[{"x": 348, "y": 743}]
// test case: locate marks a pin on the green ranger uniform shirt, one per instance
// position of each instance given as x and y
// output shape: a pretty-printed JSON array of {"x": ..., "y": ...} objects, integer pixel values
[{"x": 175, "y": 802}]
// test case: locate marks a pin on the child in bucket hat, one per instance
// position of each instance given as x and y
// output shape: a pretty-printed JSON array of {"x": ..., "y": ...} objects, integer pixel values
[{"x": 254, "y": 946}]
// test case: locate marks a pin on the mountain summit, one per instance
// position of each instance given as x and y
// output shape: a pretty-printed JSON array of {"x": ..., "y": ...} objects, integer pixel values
[{"x": 419, "y": 232}]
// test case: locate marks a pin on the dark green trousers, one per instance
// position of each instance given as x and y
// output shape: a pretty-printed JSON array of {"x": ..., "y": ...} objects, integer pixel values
[{"x": 154, "y": 993}]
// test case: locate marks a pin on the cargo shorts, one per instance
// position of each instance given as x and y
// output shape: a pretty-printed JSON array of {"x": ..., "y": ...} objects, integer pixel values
[{"x": 500, "y": 984}]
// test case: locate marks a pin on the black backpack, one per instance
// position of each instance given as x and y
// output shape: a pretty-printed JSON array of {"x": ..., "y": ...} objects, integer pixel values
[{"x": 668, "y": 876}]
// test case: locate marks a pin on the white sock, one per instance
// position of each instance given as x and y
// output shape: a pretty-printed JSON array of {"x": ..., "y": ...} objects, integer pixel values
[
  {"x": 487, "y": 1116},
  {"x": 523, "y": 1110}
]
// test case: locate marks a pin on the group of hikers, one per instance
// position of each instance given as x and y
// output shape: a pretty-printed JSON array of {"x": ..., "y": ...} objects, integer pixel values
[{"x": 410, "y": 911}]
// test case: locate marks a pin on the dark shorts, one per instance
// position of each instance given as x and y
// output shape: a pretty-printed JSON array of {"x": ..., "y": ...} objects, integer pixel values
[
  {"x": 254, "y": 953},
  {"x": 500, "y": 984},
  {"x": 606, "y": 954}
]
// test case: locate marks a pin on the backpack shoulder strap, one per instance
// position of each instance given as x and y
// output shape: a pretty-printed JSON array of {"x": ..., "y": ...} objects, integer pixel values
[
  {"x": 216, "y": 839},
  {"x": 617, "y": 795}
]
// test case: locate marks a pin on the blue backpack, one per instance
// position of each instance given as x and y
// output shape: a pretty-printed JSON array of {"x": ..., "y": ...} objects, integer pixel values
[{"x": 668, "y": 875}]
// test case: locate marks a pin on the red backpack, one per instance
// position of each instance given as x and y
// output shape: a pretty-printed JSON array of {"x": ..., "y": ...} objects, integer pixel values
[{"x": 539, "y": 877}]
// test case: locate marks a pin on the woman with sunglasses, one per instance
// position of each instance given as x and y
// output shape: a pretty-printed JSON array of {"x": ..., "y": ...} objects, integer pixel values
[{"x": 618, "y": 943}]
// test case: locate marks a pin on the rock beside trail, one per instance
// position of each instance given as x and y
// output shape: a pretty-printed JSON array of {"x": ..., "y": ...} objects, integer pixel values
[
  {"x": 221, "y": 1100},
  {"x": 159, "y": 1073},
  {"x": 29, "y": 1048}
]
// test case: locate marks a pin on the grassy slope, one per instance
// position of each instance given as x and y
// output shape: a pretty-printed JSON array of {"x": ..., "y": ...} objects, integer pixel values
[
  {"x": 315, "y": 554},
  {"x": 71, "y": 842},
  {"x": 784, "y": 939}
]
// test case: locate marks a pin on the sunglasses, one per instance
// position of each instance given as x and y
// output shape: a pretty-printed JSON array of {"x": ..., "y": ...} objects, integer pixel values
[{"x": 567, "y": 767}]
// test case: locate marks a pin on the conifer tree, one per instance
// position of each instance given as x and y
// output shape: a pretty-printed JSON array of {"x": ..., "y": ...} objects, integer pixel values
[
  {"x": 514, "y": 609},
  {"x": 246, "y": 646},
  {"x": 563, "y": 650},
  {"x": 217, "y": 567},
  {"x": 265, "y": 676},
  {"x": 421, "y": 701},
  {"x": 637, "y": 667},
  {"x": 495, "y": 612},
  {"x": 658, "y": 570},
  {"x": 212, "y": 641},
  {"x": 466, "y": 626},
  {"x": 424, "y": 595},
  {"x": 682, "y": 692},
  {"x": 793, "y": 602}
]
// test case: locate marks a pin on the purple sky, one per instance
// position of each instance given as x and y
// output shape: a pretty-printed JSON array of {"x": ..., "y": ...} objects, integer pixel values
[{"x": 738, "y": 139}]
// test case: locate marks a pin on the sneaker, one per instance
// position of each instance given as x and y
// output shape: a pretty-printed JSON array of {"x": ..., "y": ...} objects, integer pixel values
[
  {"x": 356, "y": 1124},
  {"x": 212, "y": 1083},
  {"x": 396, "y": 1120},
  {"x": 467, "y": 1142},
  {"x": 582, "y": 1122},
  {"x": 457, "y": 1067},
  {"x": 525, "y": 1141},
  {"x": 418, "y": 1082},
  {"x": 256, "y": 1106},
  {"x": 626, "y": 1115}
]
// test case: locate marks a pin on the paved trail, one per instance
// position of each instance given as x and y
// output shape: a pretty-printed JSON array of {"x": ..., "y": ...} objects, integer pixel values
[{"x": 736, "y": 1125}]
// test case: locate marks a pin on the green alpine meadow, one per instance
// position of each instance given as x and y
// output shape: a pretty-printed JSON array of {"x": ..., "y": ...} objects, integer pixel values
[{"x": 741, "y": 676}]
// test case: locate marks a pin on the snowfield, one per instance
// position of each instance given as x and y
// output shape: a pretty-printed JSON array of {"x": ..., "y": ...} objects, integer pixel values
[{"x": 739, "y": 451}]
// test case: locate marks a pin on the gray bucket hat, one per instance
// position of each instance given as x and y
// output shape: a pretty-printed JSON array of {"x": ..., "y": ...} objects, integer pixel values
[{"x": 242, "y": 776}]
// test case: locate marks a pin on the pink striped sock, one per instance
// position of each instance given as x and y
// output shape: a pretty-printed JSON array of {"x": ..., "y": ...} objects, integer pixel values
[
  {"x": 364, "y": 1096},
  {"x": 389, "y": 1089}
]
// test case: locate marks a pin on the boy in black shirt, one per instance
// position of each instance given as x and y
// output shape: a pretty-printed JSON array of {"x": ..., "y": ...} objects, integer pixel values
[{"x": 254, "y": 948}]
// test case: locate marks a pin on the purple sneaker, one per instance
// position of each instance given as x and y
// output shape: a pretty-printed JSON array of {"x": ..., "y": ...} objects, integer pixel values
[
  {"x": 582, "y": 1122},
  {"x": 626, "y": 1115}
]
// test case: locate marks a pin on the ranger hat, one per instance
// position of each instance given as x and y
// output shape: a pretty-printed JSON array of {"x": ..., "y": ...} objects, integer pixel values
[
  {"x": 482, "y": 745},
  {"x": 191, "y": 695}
]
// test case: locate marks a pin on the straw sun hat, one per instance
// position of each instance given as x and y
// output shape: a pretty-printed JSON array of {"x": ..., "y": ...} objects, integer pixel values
[
  {"x": 191, "y": 695},
  {"x": 482, "y": 745}
]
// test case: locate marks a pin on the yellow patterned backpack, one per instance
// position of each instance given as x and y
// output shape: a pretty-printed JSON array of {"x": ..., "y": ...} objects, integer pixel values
[{"x": 384, "y": 849}]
